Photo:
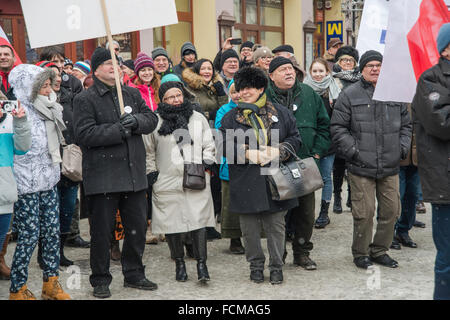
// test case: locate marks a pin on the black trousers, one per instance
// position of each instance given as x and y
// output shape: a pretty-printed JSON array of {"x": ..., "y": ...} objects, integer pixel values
[
  {"x": 302, "y": 219},
  {"x": 338, "y": 175},
  {"x": 133, "y": 212}
]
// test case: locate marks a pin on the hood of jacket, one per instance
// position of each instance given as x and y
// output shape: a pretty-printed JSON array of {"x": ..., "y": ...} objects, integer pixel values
[
  {"x": 22, "y": 79},
  {"x": 39, "y": 81},
  {"x": 195, "y": 81}
]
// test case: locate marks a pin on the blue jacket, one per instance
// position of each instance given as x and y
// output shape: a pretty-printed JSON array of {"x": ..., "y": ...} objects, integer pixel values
[{"x": 223, "y": 174}]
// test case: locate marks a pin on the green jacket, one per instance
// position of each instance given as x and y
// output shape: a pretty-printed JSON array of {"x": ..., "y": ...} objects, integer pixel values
[{"x": 311, "y": 116}]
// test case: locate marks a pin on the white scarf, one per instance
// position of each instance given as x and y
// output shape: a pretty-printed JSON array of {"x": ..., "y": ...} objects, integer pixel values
[{"x": 51, "y": 111}]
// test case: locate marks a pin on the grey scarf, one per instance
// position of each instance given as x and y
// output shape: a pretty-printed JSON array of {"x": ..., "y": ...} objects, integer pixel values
[
  {"x": 327, "y": 83},
  {"x": 51, "y": 111}
]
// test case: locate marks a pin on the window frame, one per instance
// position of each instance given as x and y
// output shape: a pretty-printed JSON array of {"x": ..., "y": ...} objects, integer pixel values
[{"x": 258, "y": 28}]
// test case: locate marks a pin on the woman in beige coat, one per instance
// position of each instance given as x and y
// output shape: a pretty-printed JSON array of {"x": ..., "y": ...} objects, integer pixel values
[{"x": 177, "y": 210}]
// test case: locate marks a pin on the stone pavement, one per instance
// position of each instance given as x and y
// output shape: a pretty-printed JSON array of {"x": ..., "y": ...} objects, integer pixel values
[{"x": 336, "y": 277}]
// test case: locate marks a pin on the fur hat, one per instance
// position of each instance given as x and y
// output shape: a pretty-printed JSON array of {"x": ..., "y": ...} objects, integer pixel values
[
  {"x": 250, "y": 77},
  {"x": 346, "y": 50}
]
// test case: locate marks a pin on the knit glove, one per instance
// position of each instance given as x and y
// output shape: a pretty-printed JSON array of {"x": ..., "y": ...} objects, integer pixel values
[
  {"x": 129, "y": 121},
  {"x": 219, "y": 88}
]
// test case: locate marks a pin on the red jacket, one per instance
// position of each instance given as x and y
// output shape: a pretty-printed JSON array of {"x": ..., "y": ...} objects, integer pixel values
[{"x": 147, "y": 93}]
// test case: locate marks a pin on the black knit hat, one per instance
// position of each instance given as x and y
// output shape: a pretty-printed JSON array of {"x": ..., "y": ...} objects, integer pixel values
[
  {"x": 368, "y": 56},
  {"x": 246, "y": 44},
  {"x": 230, "y": 53},
  {"x": 346, "y": 50},
  {"x": 99, "y": 56},
  {"x": 169, "y": 85},
  {"x": 249, "y": 77},
  {"x": 129, "y": 63},
  {"x": 278, "y": 62},
  {"x": 284, "y": 48}
]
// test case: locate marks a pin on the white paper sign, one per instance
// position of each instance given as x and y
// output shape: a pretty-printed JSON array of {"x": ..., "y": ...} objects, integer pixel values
[
  {"x": 51, "y": 22},
  {"x": 373, "y": 27}
]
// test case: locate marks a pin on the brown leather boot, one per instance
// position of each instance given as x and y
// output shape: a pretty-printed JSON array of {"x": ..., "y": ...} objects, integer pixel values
[
  {"x": 52, "y": 290},
  {"x": 5, "y": 271},
  {"x": 22, "y": 294},
  {"x": 150, "y": 238}
]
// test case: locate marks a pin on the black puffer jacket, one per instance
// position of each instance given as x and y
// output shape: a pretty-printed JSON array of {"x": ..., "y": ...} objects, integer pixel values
[
  {"x": 110, "y": 162},
  {"x": 431, "y": 117},
  {"x": 373, "y": 136}
]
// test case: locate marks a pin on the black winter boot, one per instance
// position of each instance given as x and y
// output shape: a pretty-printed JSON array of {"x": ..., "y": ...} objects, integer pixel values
[
  {"x": 323, "y": 220},
  {"x": 337, "y": 206},
  {"x": 180, "y": 270},
  {"x": 63, "y": 261},
  {"x": 200, "y": 251},
  {"x": 349, "y": 199}
]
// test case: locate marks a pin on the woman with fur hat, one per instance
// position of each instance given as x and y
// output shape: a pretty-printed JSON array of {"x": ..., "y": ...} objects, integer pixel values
[
  {"x": 182, "y": 136},
  {"x": 250, "y": 197},
  {"x": 206, "y": 84},
  {"x": 146, "y": 81},
  {"x": 346, "y": 66},
  {"x": 37, "y": 174}
]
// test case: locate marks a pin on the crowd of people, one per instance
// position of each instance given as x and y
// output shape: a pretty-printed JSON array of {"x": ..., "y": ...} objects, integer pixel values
[{"x": 189, "y": 150}]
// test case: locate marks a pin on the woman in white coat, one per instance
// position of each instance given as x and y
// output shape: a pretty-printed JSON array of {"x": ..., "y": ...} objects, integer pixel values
[{"x": 182, "y": 136}]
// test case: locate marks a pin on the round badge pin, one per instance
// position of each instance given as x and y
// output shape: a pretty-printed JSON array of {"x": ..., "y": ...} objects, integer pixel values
[
  {"x": 275, "y": 118},
  {"x": 434, "y": 96},
  {"x": 65, "y": 77},
  {"x": 294, "y": 107},
  {"x": 127, "y": 109}
]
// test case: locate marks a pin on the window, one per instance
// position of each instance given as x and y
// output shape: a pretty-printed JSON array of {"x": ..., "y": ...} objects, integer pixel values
[
  {"x": 260, "y": 21},
  {"x": 173, "y": 36}
]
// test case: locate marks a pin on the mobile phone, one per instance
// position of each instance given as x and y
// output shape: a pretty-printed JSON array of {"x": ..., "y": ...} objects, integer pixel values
[
  {"x": 8, "y": 106},
  {"x": 236, "y": 41}
]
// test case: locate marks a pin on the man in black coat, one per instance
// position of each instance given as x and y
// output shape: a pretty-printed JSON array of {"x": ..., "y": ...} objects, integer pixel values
[
  {"x": 431, "y": 117},
  {"x": 372, "y": 136},
  {"x": 114, "y": 172}
]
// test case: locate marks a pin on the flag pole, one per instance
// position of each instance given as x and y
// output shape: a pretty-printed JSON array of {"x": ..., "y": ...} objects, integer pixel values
[{"x": 113, "y": 55}]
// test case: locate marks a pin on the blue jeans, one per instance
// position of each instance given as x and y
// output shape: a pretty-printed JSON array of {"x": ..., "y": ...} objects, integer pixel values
[
  {"x": 5, "y": 219},
  {"x": 326, "y": 168},
  {"x": 68, "y": 199},
  {"x": 409, "y": 190},
  {"x": 441, "y": 237}
]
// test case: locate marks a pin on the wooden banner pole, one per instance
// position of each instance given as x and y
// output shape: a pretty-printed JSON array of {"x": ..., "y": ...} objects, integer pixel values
[{"x": 113, "y": 55}]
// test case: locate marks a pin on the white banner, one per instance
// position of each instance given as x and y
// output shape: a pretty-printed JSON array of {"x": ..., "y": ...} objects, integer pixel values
[
  {"x": 373, "y": 27},
  {"x": 51, "y": 22},
  {"x": 397, "y": 81}
]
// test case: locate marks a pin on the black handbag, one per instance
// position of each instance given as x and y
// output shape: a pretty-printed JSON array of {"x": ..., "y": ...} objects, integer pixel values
[
  {"x": 295, "y": 178},
  {"x": 194, "y": 176}
]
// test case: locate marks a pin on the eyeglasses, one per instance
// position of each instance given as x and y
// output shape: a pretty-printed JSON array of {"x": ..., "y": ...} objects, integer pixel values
[
  {"x": 266, "y": 58},
  {"x": 231, "y": 62},
  {"x": 347, "y": 60},
  {"x": 373, "y": 66},
  {"x": 171, "y": 99},
  {"x": 116, "y": 49}
]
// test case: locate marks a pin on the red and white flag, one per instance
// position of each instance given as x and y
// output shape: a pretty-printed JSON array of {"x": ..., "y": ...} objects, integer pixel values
[
  {"x": 411, "y": 47},
  {"x": 4, "y": 41}
]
